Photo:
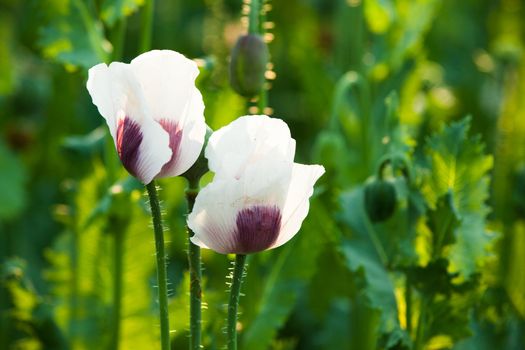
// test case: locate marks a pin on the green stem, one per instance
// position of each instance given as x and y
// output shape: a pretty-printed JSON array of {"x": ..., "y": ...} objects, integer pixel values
[
  {"x": 436, "y": 251},
  {"x": 408, "y": 302},
  {"x": 73, "y": 299},
  {"x": 376, "y": 242},
  {"x": 238, "y": 272},
  {"x": 147, "y": 25},
  {"x": 253, "y": 20},
  {"x": 161, "y": 265},
  {"x": 194, "y": 261},
  {"x": 263, "y": 100},
  {"x": 118, "y": 251},
  {"x": 255, "y": 26},
  {"x": 118, "y": 39},
  {"x": 420, "y": 331},
  {"x": 91, "y": 32}
]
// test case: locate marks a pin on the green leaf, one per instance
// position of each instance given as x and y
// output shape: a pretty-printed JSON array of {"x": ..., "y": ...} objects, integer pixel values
[
  {"x": 12, "y": 186},
  {"x": 366, "y": 255},
  {"x": 88, "y": 144},
  {"x": 74, "y": 37},
  {"x": 113, "y": 10},
  {"x": 413, "y": 20},
  {"x": 82, "y": 269},
  {"x": 443, "y": 222},
  {"x": 459, "y": 168}
]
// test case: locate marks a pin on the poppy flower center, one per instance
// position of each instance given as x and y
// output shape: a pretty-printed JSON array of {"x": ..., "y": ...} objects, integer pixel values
[
  {"x": 257, "y": 228},
  {"x": 129, "y": 138}
]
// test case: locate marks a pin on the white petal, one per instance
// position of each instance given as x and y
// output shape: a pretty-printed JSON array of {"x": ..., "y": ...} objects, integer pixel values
[
  {"x": 213, "y": 219},
  {"x": 267, "y": 180},
  {"x": 192, "y": 137},
  {"x": 118, "y": 96},
  {"x": 108, "y": 88},
  {"x": 154, "y": 151},
  {"x": 297, "y": 200},
  {"x": 168, "y": 81},
  {"x": 246, "y": 141}
]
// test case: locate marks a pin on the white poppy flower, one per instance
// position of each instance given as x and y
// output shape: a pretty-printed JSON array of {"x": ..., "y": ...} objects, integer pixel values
[
  {"x": 259, "y": 197},
  {"x": 154, "y": 112}
]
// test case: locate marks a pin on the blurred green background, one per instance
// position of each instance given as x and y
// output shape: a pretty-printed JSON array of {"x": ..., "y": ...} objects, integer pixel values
[{"x": 358, "y": 82}]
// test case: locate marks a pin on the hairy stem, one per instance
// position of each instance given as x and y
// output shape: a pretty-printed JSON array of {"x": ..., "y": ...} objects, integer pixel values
[
  {"x": 238, "y": 272},
  {"x": 194, "y": 262},
  {"x": 161, "y": 265}
]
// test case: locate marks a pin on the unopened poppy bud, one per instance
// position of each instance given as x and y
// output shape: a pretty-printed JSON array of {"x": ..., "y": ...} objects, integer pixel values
[
  {"x": 380, "y": 200},
  {"x": 248, "y": 65}
]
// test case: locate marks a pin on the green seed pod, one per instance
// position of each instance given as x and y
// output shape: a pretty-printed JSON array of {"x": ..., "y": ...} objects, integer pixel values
[
  {"x": 248, "y": 64},
  {"x": 380, "y": 200}
]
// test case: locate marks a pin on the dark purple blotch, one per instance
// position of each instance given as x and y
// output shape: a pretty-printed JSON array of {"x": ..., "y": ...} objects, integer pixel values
[
  {"x": 175, "y": 138},
  {"x": 129, "y": 138},
  {"x": 257, "y": 228}
]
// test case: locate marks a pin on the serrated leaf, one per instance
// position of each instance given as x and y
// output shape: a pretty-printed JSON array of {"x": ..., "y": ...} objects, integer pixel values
[
  {"x": 74, "y": 37},
  {"x": 459, "y": 167},
  {"x": 114, "y": 10}
]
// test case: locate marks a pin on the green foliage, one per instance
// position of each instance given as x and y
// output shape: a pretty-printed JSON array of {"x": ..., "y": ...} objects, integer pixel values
[
  {"x": 458, "y": 168},
  {"x": 365, "y": 255},
  {"x": 82, "y": 263},
  {"x": 73, "y": 36},
  {"x": 114, "y": 10},
  {"x": 13, "y": 175}
]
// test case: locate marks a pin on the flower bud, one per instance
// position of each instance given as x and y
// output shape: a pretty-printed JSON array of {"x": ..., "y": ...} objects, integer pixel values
[
  {"x": 380, "y": 200},
  {"x": 248, "y": 65}
]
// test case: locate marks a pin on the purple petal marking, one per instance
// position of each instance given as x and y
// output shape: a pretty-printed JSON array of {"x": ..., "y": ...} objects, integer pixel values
[
  {"x": 175, "y": 138},
  {"x": 129, "y": 138},
  {"x": 257, "y": 228}
]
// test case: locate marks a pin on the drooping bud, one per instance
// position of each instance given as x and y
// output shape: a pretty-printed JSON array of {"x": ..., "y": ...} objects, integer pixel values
[
  {"x": 248, "y": 65},
  {"x": 380, "y": 200}
]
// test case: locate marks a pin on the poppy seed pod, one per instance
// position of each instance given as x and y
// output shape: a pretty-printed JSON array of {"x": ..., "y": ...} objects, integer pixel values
[
  {"x": 248, "y": 65},
  {"x": 380, "y": 200}
]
